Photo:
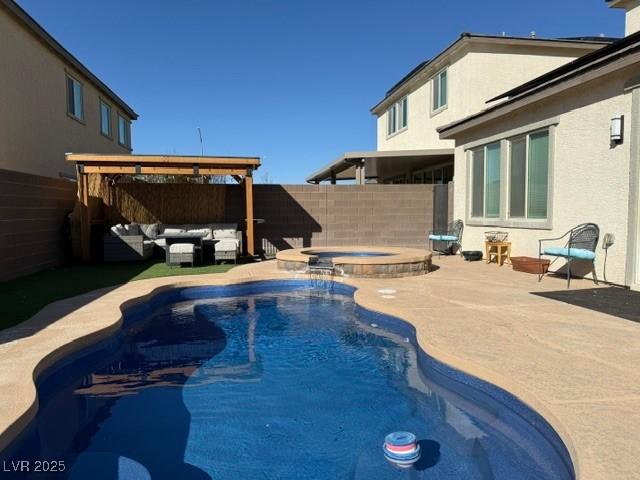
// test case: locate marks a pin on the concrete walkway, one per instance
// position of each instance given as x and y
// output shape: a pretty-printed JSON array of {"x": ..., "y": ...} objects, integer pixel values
[{"x": 578, "y": 368}]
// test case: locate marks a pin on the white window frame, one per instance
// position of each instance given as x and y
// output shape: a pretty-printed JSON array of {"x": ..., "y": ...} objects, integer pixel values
[
  {"x": 484, "y": 181},
  {"x": 109, "y": 134},
  {"x": 437, "y": 78},
  {"x": 504, "y": 220},
  {"x": 127, "y": 131},
  {"x": 75, "y": 81},
  {"x": 395, "y": 114}
]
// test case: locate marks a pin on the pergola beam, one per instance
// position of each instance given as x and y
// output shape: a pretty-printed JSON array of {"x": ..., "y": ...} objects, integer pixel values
[
  {"x": 164, "y": 170},
  {"x": 162, "y": 159}
]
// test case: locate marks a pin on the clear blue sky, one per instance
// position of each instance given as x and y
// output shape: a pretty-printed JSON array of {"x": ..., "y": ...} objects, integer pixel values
[{"x": 291, "y": 81}]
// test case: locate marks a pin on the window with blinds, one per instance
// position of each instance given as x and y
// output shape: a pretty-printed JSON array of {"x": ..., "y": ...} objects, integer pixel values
[
  {"x": 485, "y": 183},
  {"x": 529, "y": 175}
]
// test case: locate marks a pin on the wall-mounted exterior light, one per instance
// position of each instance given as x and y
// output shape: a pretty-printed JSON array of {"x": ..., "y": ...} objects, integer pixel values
[{"x": 617, "y": 127}]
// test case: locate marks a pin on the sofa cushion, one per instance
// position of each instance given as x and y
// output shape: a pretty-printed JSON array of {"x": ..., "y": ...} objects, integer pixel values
[
  {"x": 160, "y": 242},
  {"x": 443, "y": 238},
  {"x": 172, "y": 231},
  {"x": 579, "y": 253},
  {"x": 224, "y": 233},
  {"x": 205, "y": 233},
  {"x": 118, "y": 230},
  {"x": 149, "y": 230},
  {"x": 133, "y": 229},
  {"x": 181, "y": 248}
]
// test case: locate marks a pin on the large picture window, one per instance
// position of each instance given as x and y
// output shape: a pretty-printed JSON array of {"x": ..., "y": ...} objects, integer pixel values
[
  {"x": 398, "y": 116},
  {"x": 485, "y": 184},
  {"x": 529, "y": 175}
]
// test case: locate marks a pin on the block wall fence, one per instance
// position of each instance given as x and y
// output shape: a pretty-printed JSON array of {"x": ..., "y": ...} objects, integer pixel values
[
  {"x": 34, "y": 233},
  {"x": 33, "y": 213}
]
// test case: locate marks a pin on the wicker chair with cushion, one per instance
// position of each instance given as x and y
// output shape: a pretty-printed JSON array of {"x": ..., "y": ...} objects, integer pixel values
[
  {"x": 451, "y": 238},
  {"x": 580, "y": 245}
]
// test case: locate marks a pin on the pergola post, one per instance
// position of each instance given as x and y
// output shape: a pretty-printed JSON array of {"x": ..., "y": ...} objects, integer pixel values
[
  {"x": 85, "y": 220},
  {"x": 248, "y": 191}
]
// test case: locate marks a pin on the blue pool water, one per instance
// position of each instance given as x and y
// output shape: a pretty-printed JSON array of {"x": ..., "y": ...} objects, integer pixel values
[{"x": 275, "y": 380}]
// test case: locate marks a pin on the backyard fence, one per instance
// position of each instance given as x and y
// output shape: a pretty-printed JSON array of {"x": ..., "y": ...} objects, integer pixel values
[
  {"x": 294, "y": 215},
  {"x": 33, "y": 214},
  {"x": 34, "y": 231}
]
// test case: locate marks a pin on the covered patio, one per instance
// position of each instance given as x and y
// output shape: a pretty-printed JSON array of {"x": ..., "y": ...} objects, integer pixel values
[
  {"x": 112, "y": 167},
  {"x": 392, "y": 166}
]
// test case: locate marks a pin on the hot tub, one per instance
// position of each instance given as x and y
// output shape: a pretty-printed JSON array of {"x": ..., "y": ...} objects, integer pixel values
[{"x": 377, "y": 262}]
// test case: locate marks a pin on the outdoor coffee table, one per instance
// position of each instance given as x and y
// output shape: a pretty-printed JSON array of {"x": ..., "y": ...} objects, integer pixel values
[{"x": 194, "y": 238}]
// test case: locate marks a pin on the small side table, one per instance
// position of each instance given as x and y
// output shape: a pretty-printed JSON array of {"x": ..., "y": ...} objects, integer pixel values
[{"x": 498, "y": 251}]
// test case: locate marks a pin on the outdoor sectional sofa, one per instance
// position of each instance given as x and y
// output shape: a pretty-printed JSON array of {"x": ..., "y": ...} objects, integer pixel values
[{"x": 137, "y": 241}]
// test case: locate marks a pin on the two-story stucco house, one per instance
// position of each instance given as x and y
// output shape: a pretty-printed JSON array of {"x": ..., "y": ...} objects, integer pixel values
[
  {"x": 50, "y": 103},
  {"x": 454, "y": 84},
  {"x": 560, "y": 150}
]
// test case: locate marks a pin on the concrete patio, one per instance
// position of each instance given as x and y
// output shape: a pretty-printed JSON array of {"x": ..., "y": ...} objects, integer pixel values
[{"x": 576, "y": 367}]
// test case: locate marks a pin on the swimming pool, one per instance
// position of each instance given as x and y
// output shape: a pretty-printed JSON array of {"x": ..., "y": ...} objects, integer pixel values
[{"x": 275, "y": 380}]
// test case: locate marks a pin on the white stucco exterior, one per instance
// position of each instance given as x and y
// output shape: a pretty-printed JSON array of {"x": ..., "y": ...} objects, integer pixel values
[
  {"x": 632, "y": 16},
  {"x": 590, "y": 179},
  {"x": 478, "y": 69}
]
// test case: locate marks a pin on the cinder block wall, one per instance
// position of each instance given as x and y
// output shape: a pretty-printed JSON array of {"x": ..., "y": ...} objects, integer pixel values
[
  {"x": 320, "y": 215},
  {"x": 33, "y": 212}
]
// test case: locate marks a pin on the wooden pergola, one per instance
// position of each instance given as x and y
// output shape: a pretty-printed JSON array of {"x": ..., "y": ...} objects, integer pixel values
[{"x": 240, "y": 168}]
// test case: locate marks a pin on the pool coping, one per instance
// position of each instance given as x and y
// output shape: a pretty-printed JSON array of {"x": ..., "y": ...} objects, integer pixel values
[{"x": 69, "y": 325}]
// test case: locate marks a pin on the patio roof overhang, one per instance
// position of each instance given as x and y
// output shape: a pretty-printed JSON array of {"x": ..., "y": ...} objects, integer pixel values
[
  {"x": 376, "y": 163},
  {"x": 240, "y": 168}
]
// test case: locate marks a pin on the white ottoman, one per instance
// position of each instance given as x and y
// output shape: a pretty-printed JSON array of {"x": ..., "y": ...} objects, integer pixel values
[{"x": 181, "y": 253}]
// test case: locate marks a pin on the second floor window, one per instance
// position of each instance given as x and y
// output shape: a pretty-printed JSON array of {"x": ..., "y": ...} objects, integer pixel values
[
  {"x": 105, "y": 119},
  {"x": 123, "y": 131},
  {"x": 439, "y": 91},
  {"x": 398, "y": 116},
  {"x": 74, "y": 98}
]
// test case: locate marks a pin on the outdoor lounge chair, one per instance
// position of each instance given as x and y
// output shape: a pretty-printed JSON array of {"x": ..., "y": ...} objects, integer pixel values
[
  {"x": 451, "y": 238},
  {"x": 581, "y": 245}
]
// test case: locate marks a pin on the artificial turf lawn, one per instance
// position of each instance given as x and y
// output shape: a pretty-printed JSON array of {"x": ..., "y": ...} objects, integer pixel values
[{"x": 22, "y": 297}]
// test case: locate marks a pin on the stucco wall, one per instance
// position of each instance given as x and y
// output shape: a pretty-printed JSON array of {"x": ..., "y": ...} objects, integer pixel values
[
  {"x": 473, "y": 78},
  {"x": 632, "y": 18},
  {"x": 590, "y": 178},
  {"x": 36, "y": 130}
]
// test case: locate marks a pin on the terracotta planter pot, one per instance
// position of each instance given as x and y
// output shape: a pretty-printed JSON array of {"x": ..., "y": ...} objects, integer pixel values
[{"x": 530, "y": 265}]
